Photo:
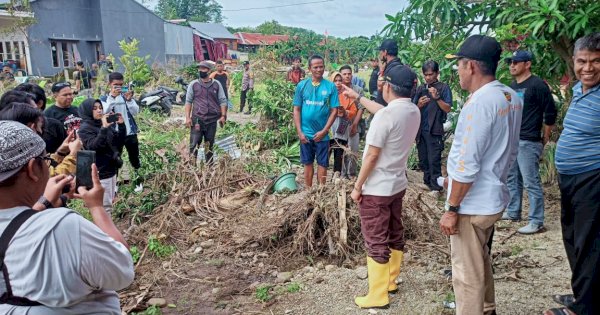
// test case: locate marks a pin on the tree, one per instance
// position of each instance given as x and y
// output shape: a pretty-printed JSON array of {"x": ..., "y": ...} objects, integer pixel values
[
  {"x": 192, "y": 10},
  {"x": 547, "y": 27}
]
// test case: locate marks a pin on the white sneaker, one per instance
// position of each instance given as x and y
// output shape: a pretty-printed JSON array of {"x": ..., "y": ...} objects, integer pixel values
[{"x": 139, "y": 188}]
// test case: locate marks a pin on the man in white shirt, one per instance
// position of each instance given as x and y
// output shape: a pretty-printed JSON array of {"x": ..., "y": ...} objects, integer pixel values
[
  {"x": 55, "y": 262},
  {"x": 484, "y": 148},
  {"x": 382, "y": 182}
]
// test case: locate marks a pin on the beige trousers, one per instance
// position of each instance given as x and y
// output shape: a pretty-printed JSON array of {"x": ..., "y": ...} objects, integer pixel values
[{"x": 472, "y": 276}]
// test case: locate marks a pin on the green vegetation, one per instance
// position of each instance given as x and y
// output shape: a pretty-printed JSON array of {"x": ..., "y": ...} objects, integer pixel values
[
  {"x": 293, "y": 287},
  {"x": 516, "y": 250},
  {"x": 192, "y": 10},
  {"x": 159, "y": 249},
  {"x": 262, "y": 293},
  {"x": 135, "y": 253},
  {"x": 136, "y": 68},
  {"x": 152, "y": 310}
]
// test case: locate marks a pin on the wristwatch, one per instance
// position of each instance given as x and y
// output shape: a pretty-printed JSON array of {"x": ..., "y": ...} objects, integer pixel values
[
  {"x": 451, "y": 208},
  {"x": 44, "y": 201}
]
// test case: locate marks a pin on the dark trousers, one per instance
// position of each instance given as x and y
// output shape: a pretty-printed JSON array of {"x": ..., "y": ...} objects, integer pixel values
[
  {"x": 337, "y": 148},
  {"x": 381, "y": 225},
  {"x": 133, "y": 150},
  {"x": 430, "y": 149},
  {"x": 243, "y": 97},
  {"x": 202, "y": 132},
  {"x": 580, "y": 220}
]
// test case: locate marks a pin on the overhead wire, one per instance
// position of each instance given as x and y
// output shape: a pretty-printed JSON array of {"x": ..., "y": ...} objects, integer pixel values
[{"x": 277, "y": 6}]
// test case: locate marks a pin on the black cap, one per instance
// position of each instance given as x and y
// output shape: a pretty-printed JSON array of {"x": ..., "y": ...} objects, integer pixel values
[
  {"x": 402, "y": 76},
  {"x": 390, "y": 46},
  {"x": 56, "y": 87},
  {"x": 246, "y": 62},
  {"x": 519, "y": 56},
  {"x": 479, "y": 47}
]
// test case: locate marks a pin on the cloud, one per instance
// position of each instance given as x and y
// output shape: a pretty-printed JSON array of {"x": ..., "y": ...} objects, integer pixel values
[{"x": 341, "y": 18}]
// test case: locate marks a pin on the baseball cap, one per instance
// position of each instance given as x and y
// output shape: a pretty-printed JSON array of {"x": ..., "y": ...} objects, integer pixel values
[
  {"x": 246, "y": 62},
  {"x": 402, "y": 76},
  {"x": 18, "y": 145},
  {"x": 205, "y": 64},
  {"x": 479, "y": 47},
  {"x": 519, "y": 56},
  {"x": 390, "y": 46}
]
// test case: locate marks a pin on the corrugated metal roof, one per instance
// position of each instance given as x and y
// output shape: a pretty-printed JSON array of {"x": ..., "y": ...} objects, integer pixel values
[
  {"x": 260, "y": 39},
  {"x": 213, "y": 30}
]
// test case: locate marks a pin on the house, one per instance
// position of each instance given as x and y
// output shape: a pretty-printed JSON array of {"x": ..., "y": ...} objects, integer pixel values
[
  {"x": 212, "y": 41},
  {"x": 251, "y": 41},
  {"x": 67, "y": 31}
]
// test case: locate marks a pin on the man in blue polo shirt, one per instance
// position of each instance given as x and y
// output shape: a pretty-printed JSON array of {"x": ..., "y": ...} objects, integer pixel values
[
  {"x": 578, "y": 164},
  {"x": 315, "y": 108}
]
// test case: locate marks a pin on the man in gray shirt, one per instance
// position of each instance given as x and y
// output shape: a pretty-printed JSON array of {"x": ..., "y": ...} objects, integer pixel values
[
  {"x": 205, "y": 105},
  {"x": 54, "y": 261}
]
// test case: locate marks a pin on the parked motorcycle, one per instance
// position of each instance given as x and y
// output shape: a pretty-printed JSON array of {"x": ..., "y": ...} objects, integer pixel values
[{"x": 162, "y": 99}]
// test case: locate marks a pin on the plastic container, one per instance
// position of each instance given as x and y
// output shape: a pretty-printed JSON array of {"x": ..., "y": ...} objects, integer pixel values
[{"x": 286, "y": 182}]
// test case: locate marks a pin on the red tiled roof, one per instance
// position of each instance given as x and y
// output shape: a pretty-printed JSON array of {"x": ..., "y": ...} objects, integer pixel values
[{"x": 259, "y": 39}]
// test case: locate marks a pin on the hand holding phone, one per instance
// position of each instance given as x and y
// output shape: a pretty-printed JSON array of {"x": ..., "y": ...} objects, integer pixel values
[
  {"x": 112, "y": 118},
  {"x": 93, "y": 197},
  {"x": 83, "y": 173}
]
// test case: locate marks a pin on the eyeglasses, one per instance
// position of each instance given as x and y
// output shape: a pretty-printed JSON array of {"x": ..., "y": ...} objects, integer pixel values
[{"x": 47, "y": 158}]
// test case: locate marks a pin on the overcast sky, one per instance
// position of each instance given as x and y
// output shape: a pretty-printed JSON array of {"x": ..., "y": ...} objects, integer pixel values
[{"x": 341, "y": 18}]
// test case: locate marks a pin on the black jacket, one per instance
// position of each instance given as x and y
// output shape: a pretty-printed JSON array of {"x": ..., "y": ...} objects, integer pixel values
[
  {"x": 394, "y": 63},
  {"x": 373, "y": 81},
  {"x": 102, "y": 140}
]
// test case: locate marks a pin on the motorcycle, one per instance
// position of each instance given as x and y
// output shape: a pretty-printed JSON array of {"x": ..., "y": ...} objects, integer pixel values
[{"x": 162, "y": 99}]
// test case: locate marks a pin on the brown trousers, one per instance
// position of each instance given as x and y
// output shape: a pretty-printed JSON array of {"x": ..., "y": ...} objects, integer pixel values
[
  {"x": 381, "y": 225},
  {"x": 472, "y": 276}
]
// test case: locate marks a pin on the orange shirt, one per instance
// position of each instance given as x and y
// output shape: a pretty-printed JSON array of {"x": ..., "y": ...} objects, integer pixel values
[{"x": 349, "y": 105}]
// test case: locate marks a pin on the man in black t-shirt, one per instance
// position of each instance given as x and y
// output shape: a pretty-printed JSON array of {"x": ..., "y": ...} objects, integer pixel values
[
  {"x": 388, "y": 54},
  {"x": 434, "y": 99},
  {"x": 538, "y": 108},
  {"x": 62, "y": 109}
]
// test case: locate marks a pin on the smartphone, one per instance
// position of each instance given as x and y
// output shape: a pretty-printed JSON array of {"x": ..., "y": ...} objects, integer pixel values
[
  {"x": 112, "y": 118},
  {"x": 83, "y": 172},
  {"x": 125, "y": 89}
]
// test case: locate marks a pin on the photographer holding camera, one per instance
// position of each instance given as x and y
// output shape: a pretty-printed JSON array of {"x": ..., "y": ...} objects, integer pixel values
[
  {"x": 54, "y": 261},
  {"x": 97, "y": 133}
]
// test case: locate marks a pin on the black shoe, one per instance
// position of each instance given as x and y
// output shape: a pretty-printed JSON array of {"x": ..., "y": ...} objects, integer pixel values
[{"x": 435, "y": 187}]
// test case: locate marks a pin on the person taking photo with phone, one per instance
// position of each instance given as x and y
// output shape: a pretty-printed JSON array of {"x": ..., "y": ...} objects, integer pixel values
[
  {"x": 97, "y": 133},
  {"x": 120, "y": 101},
  {"x": 54, "y": 261}
]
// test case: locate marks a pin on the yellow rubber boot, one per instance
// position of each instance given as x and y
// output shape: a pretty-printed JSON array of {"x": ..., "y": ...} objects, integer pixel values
[
  {"x": 379, "y": 278},
  {"x": 395, "y": 263}
]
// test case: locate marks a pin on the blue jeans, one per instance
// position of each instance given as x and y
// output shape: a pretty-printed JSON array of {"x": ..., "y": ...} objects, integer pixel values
[{"x": 526, "y": 173}]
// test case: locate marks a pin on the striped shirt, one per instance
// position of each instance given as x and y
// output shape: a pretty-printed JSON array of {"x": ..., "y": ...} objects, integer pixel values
[{"x": 578, "y": 148}]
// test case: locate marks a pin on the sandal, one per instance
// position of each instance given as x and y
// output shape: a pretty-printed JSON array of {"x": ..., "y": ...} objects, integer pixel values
[
  {"x": 564, "y": 299},
  {"x": 558, "y": 311}
]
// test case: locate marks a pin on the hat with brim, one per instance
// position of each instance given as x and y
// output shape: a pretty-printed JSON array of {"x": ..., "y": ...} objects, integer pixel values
[
  {"x": 205, "y": 64},
  {"x": 519, "y": 56},
  {"x": 401, "y": 76},
  {"x": 479, "y": 47},
  {"x": 18, "y": 145}
]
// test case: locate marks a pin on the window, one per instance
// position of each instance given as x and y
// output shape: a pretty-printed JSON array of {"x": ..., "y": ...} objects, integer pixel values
[
  {"x": 98, "y": 51},
  {"x": 54, "y": 50},
  {"x": 64, "y": 54}
]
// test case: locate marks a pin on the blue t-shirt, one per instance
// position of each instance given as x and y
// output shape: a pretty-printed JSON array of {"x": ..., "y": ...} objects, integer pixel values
[
  {"x": 578, "y": 148},
  {"x": 315, "y": 103}
]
